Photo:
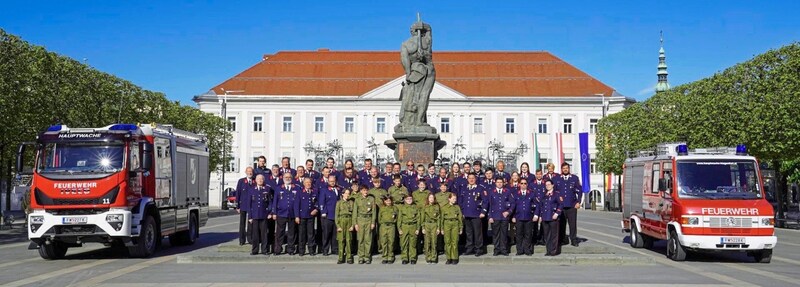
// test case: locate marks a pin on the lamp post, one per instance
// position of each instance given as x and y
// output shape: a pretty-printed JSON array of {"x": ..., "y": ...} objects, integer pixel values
[{"x": 225, "y": 162}]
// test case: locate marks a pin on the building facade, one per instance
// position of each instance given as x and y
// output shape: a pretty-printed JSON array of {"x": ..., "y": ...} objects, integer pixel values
[{"x": 486, "y": 105}]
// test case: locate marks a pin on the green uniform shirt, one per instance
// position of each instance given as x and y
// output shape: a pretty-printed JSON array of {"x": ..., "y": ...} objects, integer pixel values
[
  {"x": 408, "y": 216},
  {"x": 378, "y": 194},
  {"x": 364, "y": 208},
  {"x": 420, "y": 196},
  {"x": 398, "y": 194},
  {"x": 387, "y": 215},
  {"x": 443, "y": 198},
  {"x": 431, "y": 214},
  {"x": 451, "y": 213},
  {"x": 344, "y": 213}
]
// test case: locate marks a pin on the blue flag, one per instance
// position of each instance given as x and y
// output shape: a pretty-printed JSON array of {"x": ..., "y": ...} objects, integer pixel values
[{"x": 583, "y": 139}]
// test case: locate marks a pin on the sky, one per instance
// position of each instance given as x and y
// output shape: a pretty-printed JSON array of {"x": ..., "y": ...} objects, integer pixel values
[{"x": 184, "y": 48}]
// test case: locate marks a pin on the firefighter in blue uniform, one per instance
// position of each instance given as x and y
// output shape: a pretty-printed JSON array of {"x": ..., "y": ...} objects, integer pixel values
[
  {"x": 368, "y": 181},
  {"x": 322, "y": 181},
  {"x": 310, "y": 172},
  {"x": 286, "y": 167},
  {"x": 412, "y": 181},
  {"x": 477, "y": 167},
  {"x": 525, "y": 217},
  {"x": 470, "y": 201},
  {"x": 283, "y": 213},
  {"x": 243, "y": 204},
  {"x": 328, "y": 196},
  {"x": 260, "y": 197},
  {"x": 498, "y": 206},
  {"x": 549, "y": 210},
  {"x": 537, "y": 186},
  {"x": 349, "y": 179},
  {"x": 365, "y": 175},
  {"x": 305, "y": 211},
  {"x": 501, "y": 171},
  {"x": 441, "y": 179},
  {"x": 261, "y": 167},
  {"x": 569, "y": 186},
  {"x": 274, "y": 179}
]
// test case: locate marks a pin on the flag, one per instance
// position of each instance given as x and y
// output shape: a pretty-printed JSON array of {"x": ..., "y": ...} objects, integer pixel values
[
  {"x": 535, "y": 152},
  {"x": 583, "y": 143},
  {"x": 559, "y": 150}
]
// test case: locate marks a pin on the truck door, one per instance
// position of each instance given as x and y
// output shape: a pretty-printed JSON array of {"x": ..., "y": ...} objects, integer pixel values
[{"x": 164, "y": 184}]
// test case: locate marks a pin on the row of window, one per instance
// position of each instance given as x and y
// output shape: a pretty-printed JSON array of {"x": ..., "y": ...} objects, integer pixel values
[{"x": 444, "y": 125}]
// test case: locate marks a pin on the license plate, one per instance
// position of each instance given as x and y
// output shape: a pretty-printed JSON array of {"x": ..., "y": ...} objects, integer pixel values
[
  {"x": 732, "y": 240},
  {"x": 74, "y": 220}
]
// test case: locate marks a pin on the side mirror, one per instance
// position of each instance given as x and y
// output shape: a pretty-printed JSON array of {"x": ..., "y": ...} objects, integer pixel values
[
  {"x": 21, "y": 169},
  {"x": 147, "y": 156},
  {"x": 662, "y": 184}
]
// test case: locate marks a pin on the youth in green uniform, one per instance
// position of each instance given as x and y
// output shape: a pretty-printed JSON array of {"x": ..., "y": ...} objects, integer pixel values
[
  {"x": 365, "y": 212},
  {"x": 452, "y": 222},
  {"x": 398, "y": 192},
  {"x": 442, "y": 197},
  {"x": 344, "y": 227},
  {"x": 378, "y": 193},
  {"x": 387, "y": 219},
  {"x": 408, "y": 222},
  {"x": 431, "y": 228},
  {"x": 421, "y": 194}
]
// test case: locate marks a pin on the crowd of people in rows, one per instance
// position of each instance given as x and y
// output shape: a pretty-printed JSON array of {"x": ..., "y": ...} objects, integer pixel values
[{"x": 449, "y": 211}]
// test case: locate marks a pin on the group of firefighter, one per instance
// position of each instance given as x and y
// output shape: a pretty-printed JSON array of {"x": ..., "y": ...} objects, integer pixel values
[{"x": 366, "y": 211}]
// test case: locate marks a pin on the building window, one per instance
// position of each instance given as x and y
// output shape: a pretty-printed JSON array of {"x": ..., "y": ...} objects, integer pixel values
[
  {"x": 593, "y": 126},
  {"x": 287, "y": 124},
  {"x": 542, "y": 164},
  {"x": 510, "y": 129},
  {"x": 349, "y": 124},
  {"x": 231, "y": 167},
  {"x": 567, "y": 126},
  {"x": 231, "y": 124},
  {"x": 542, "y": 125},
  {"x": 380, "y": 125},
  {"x": 477, "y": 126},
  {"x": 445, "y": 124},
  {"x": 567, "y": 160},
  {"x": 258, "y": 124},
  {"x": 319, "y": 124},
  {"x": 592, "y": 166}
]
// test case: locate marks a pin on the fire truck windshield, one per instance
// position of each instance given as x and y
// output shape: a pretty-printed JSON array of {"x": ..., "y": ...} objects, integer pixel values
[
  {"x": 66, "y": 157},
  {"x": 718, "y": 179}
]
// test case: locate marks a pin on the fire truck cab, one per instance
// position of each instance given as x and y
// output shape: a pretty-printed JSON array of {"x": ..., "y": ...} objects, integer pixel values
[
  {"x": 121, "y": 185},
  {"x": 703, "y": 200}
]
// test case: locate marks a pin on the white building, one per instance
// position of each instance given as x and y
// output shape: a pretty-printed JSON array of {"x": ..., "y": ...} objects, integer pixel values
[{"x": 289, "y": 99}]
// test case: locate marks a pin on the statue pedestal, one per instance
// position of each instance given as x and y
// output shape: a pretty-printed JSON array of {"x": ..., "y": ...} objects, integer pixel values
[{"x": 419, "y": 148}]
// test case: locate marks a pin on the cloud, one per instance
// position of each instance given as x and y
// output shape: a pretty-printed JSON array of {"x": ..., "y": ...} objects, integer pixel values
[{"x": 647, "y": 91}]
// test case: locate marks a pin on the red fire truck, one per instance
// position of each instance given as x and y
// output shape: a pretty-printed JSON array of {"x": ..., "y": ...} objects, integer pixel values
[
  {"x": 699, "y": 201},
  {"x": 121, "y": 185}
]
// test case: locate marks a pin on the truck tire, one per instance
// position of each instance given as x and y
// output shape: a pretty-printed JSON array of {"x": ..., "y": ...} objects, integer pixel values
[
  {"x": 52, "y": 251},
  {"x": 763, "y": 256},
  {"x": 186, "y": 237},
  {"x": 147, "y": 241},
  {"x": 225, "y": 204},
  {"x": 636, "y": 239},
  {"x": 675, "y": 250}
]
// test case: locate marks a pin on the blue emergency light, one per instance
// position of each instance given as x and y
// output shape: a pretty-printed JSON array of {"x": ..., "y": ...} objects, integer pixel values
[
  {"x": 682, "y": 149},
  {"x": 123, "y": 127},
  {"x": 54, "y": 128},
  {"x": 741, "y": 149}
]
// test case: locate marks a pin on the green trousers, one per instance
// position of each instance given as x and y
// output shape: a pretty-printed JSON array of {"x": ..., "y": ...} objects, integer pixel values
[
  {"x": 451, "y": 229},
  {"x": 386, "y": 240},
  {"x": 345, "y": 240},
  {"x": 364, "y": 239},
  {"x": 408, "y": 243},
  {"x": 430, "y": 241}
]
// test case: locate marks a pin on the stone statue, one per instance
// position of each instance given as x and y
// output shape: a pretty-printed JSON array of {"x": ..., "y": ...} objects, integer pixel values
[{"x": 417, "y": 60}]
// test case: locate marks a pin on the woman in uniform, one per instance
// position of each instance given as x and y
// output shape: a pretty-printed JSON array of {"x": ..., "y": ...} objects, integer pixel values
[
  {"x": 387, "y": 221},
  {"x": 431, "y": 228},
  {"x": 452, "y": 223},
  {"x": 344, "y": 227}
]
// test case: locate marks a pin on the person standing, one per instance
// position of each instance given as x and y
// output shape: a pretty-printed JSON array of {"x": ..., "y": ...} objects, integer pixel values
[
  {"x": 366, "y": 214},
  {"x": 435, "y": 181},
  {"x": 525, "y": 172},
  {"x": 471, "y": 202},
  {"x": 501, "y": 171},
  {"x": 243, "y": 204},
  {"x": 420, "y": 196},
  {"x": 348, "y": 180},
  {"x": 537, "y": 186},
  {"x": 328, "y": 197},
  {"x": 305, "y": 211},
  {"x": 260, "y": 198},
  {"x": 283, "y": 213},
  {"x": 344, "y": 227},
  {"x": 551, "y": 172},
  {"x": 569, "y": 187},
  {"x": 408, "y": 224},
  {"x": 365, "y": 175},
  {"x": 261, "y": 167},
  {"x": 310, "y": 172},
  {"x": 431, "y": 228},
  {"x": 525, "y": 218},
  {"x": 387, "y": 222},
  {"x": 287, "y": 167},
  {"x": 498, "y": 207},
  {"x": 452, "y": 223},
  {"x": 549, "y": 210},
  {"x": 399, "y": 194}
]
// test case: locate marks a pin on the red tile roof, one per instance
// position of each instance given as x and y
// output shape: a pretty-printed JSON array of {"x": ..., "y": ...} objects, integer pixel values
[{"x": 354, "y": 73}]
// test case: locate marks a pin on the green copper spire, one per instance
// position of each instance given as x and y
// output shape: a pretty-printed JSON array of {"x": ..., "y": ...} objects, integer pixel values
[{"x": 662, "y": 85}]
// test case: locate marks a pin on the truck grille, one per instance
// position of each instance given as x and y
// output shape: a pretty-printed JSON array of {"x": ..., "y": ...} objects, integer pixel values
[
  {"x": 728, "y": 222},
  {"x": 75, "y": 229},
  {"x": 43, "y": 199}
]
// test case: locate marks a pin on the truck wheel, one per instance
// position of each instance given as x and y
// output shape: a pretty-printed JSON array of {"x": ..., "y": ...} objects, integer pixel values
[
  {"x": 147, "y": 241},
  {"x": 636, "y": 239},
  {"x": 763, "y": 256},
  {"x": 648, "y": 241},
  {"x": 187, "y": 237},
  {"x": 675, "y": 250},
  {"x": 52, "y": 251}
]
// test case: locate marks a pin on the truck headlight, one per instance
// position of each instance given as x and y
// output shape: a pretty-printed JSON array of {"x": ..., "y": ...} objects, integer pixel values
[
  {"x": 37, "y": 219},
  {"x": 115, "y": 218},
  {"x": 690, "y": 221},
  {"x": 768, "y": 221}
]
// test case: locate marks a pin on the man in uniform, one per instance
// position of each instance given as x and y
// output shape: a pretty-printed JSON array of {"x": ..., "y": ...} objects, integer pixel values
[
  {"x": 408, "y": 225},
  {"x": 261, "y": 167},
  {"x": 328, "y": 197},
  {"x": 286, "y": 166},
  {"x": 365, "y": 211},
  {"x": 498, "y": 206},
  {"x": 242, "y": 204},
  {"x": 275, "y": 178},
  {"x": 373, "y": 173},
  {"x": 387, "y": 173},
  {"x": 310, "y": 172},
  {"x": 305, "y": 211},
  {"x": 537, "y": 186},
  {"x": 501, "y": 171},
  {"x": 525, "y": 218},
  {"x": 365, "y": 174},
  {"x": 420, "y": 174},
  {"x": 569, "y": 186},
  {"x": 432, "y": 171},
  {"x": 301, "y": 175},
  {"x": 477, "y": 167},
  {"x": 409, "y": 172},
  {"x": 330, "y": 163},
  {"x": 283, "y": 213},
  {"x": 322, "y": 181},
  {"x": 471, "y": 199},
  {"x": 349, "y": 178},
  {"x": 259, "y": 202},
  {"x": 435, "y": 181}
]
